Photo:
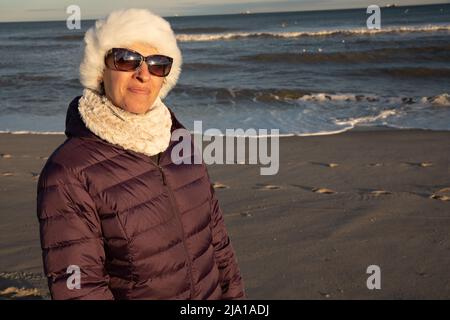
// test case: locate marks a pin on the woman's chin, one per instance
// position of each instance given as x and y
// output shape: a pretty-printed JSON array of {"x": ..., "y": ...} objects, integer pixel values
[
  {"x": 138, "y": 108},
  {"x": 139, "y": 105}
]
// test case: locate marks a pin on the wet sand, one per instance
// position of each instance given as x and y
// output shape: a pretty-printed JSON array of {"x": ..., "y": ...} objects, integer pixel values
[{"x": 338, "y": 204}]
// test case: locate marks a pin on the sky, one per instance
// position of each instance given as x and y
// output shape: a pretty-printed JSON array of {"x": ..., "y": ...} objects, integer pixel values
[{"x": 41, "y": 10}]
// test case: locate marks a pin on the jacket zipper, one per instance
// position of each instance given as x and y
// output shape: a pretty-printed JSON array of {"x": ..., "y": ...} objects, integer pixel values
[
  {"x": 178, "y": 215},
  {"x": 174, "y": 207}
]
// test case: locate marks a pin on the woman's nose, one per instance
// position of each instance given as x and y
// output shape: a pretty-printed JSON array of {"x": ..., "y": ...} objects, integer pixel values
[{"x": 142, "y": 73}]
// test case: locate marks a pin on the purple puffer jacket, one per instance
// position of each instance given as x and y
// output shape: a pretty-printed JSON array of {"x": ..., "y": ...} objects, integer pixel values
[{"x": 135, "y": 228}]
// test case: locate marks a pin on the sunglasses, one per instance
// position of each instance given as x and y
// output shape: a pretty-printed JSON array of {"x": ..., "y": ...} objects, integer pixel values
[{"x": 122, "y": 59}]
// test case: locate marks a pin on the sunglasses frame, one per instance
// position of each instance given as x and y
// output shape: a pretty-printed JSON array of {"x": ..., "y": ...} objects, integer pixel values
[{"x": 113, "y": 51}]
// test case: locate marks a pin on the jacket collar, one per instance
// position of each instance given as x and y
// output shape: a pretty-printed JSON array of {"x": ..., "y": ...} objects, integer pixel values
[{"x": 75, "y": 128}]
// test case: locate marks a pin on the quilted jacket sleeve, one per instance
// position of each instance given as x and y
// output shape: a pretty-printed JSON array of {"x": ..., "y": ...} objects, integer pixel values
[
  {"x": 230, "y": 277},
  {"x": 70, "y": 236}
]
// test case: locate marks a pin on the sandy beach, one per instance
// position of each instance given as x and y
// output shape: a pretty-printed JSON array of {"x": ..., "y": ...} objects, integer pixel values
[{"x": 338, "y": 204}]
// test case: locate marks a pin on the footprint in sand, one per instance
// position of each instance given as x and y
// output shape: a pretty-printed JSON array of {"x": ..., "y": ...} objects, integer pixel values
[
  {"x": 246, "y": 214},
  {"x": 267, "y": 187},
  {"x": 324, "y": 164},
  {"x": 5, "y": 155},
  {"x": 367, "y": 194},
  {"x": 333, "y": 165},
  {"x": 376, "y": 164},
  {"x": 218, "y": 185},
  {"x": 442, "y": 194},
  {"x": 316, "y": 190},
  {"x": 323, "y": 190},
  {"x": 377, "y": 193},
  {"x": 325, "y": 294},
  {"x": 420, "y": 164},
  {"x": 425, "y": 164}
]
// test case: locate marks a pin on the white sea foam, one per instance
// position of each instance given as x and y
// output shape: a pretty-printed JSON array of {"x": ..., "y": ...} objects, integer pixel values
[
  {"x": 439, "y": 100},
  {"x": 361, "y": 31},
  {"x": 320, "y": 97},
  {"x": 442, "y": 100},
  {"x": 366, "y": 120},
  {"x": 325, "y": 133}
]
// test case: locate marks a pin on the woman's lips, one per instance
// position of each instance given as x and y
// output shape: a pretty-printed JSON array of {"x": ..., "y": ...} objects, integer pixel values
[{"x": 139, "y": 90}]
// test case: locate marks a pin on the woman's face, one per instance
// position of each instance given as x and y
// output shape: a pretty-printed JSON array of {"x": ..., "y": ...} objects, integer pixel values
[{"x": 133, "y": 91}]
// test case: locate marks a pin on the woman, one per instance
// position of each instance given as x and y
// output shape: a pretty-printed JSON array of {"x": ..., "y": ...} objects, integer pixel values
[{"x": 118, "y": 218}]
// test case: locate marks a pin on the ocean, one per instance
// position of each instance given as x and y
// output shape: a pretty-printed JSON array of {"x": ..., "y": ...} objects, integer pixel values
[{"x": 304, "y": 73}]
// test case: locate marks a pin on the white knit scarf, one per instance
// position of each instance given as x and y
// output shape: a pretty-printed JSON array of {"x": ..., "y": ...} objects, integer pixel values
[{"x": 147, "y": 133}]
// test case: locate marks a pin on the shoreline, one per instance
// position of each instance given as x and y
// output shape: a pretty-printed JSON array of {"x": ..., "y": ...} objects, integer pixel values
[{"x": 283, "y": 135}]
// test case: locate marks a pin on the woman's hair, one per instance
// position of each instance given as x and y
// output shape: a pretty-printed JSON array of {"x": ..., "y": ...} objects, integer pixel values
[{"x": 122, "y": 28}]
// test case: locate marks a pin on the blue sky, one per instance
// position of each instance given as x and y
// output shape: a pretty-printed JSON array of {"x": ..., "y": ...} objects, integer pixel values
[{"x": 28, "y": 10}]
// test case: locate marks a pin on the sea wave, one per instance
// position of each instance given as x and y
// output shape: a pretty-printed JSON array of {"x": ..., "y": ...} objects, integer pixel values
[
  {"x": 227, "y": 94},
  {"x": 272, "y": 95},
  {"x": 188, "y": 37},
  {"x": 201, "y": 30},
  {"x": 14, "y": 80},
  {"x": 64, "y": 37},
  {"x": 205, "y": 66},
  {"x": 407, "y": 72},
  {"x": 428, "y": 53},
  {"x": 367, "y": 119},
  {"x": 442, "y": 100}
]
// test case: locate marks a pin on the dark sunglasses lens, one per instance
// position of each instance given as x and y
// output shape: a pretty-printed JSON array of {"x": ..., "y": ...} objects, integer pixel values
[
  {"x": 159, "y": 65},
  {"x": 126, "y": 60},
  {"x": 159, "y": 70}
]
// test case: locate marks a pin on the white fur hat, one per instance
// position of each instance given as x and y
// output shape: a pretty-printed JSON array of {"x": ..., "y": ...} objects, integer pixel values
[{"x": 122, "y": 28}]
